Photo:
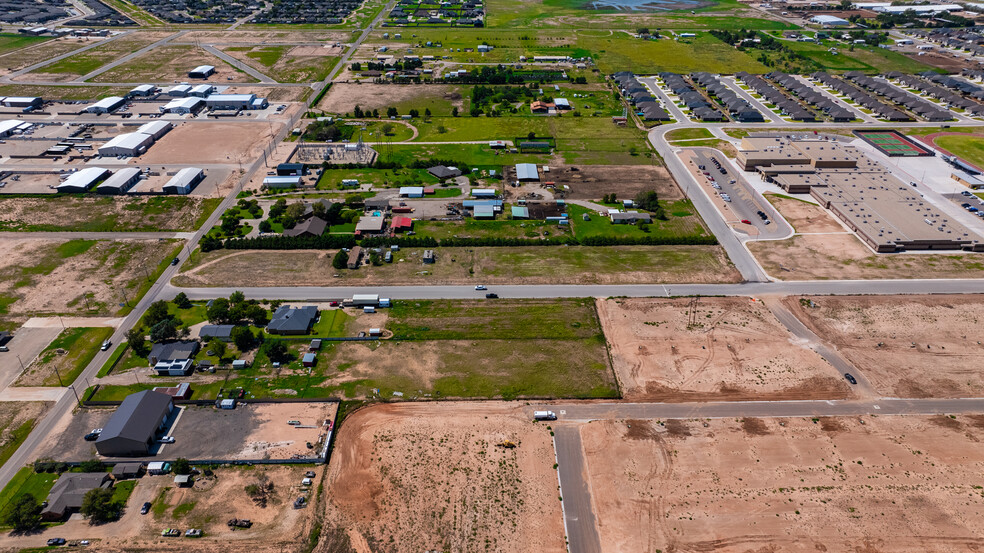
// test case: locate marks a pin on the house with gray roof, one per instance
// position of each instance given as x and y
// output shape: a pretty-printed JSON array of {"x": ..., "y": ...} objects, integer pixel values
[
  {"x": 66, "y": 495},
  {"x": 169, "y": 351},
  {"x": 292, "y": 320}
]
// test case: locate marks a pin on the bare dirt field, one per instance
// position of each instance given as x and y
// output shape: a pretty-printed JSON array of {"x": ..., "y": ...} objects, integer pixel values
[
  {"x": 16, "y": 420},
  {"x": 428, "y": 477},
  {"x": 591, "y": 182},
  {"x": 101, "y": 213},
  {"x": 240, "y": 36},
  {"x": 289, "y": 64},
  {"x": 51, "y": 276},
  {"x": 737, "y": 350},
  {"x": 212, "y": 143},
  {"x": 804, "y": 217},
  {"x": 843, "y": 256},
  {"x": 343, "y": 97},
  {"x": 172, "y": 62},
  {"x": 23, "y": 57},
  {"x": 519, "y": 265},
  {"x": 876, "y": 484},
  {"x": 272, "y": 94},
  {"x": 912, "y": 346}
]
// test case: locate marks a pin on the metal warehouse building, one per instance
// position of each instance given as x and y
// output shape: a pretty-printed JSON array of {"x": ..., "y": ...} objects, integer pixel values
[
  {"x": 133, "y": 428},
  {"x": 22, "y": 101},
  {"x": 120, "y": 181},
  {"x": 157, "y": 129},
  {"x": 526, "y": 172},
  {"x": 128, "y": 144},
  {"x": 201, "y": 91},
  {"x": 106, "y": 105},
  {"x": 143, "y": 90},
  {"x": 7, "y": 127},
  {"x": 184, "y": 181},
  {"x": 183, "y": 106},
  {"x": 202, "y": 72},
  {"x": 235, "y": 101},
  {"x": 179, "y": 90},
  {"x": 83, "y": 180}
]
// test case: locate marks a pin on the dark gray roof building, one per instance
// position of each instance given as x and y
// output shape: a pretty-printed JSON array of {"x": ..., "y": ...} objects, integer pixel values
[
  {"x": 184, "y": 349},
  {"x": 315, "y": 226},
  {"x": 134, "y": 426},
  {"x": 222, "y": 332},
  {"x": 292, "y": 320},
  {"x": 67, "y": 493},
  {"x": 442, "y": 172}
]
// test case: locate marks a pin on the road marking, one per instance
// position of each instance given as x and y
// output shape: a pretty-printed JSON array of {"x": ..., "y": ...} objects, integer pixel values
[
  {"x": 877, "y": 407},
  {"x": 562, "y": 412}
]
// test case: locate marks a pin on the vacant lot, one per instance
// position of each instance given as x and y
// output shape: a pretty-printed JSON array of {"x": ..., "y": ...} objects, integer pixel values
[
  {"x": 288, "y": 64},
  {"x": 343, "y": 97},
  {"x": 591, "y": 182},
  {"x": 521, "y": 265},
  {"x": 85, "y": 277},
  {"x": 212, "y": 143},
  {"x": 65, "y": 358},
  {"x": 843, "y": 256},
  {"x": 912, "y": 346},
  {"x": 714, "y": 348},
  {"x": 17, "y": 419},
  {"x": 804, "y": 217},
  {"x": 172, "y": 62},
  {"x": 104, "y": 214},
  {"x": 75, "y": 66},
  {"x": 430, "y": 477},
  {"x": 889, "y": 484},
  {"x": 30, "y": 55}
]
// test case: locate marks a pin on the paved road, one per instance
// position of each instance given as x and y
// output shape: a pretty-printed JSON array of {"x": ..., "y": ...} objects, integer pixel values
[
  {"x": 818, "y": 287},
  {"x": 579, "y": 518},
  {"x": 73, "y": 235}
]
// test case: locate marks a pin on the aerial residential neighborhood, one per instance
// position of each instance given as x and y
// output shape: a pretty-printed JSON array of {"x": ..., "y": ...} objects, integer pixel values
[{"x": 605, "y": 276}]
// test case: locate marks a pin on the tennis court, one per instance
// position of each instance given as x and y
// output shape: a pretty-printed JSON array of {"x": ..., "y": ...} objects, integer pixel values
[{"x": 892, "y": 143}]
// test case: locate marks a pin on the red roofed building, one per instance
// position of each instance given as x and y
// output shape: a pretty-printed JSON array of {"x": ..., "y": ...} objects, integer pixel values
[{"x": 400, "y": 224}]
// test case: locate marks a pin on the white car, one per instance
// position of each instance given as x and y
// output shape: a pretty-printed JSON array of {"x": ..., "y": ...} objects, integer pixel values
[
  {"x": 96, "y": 431},
  {"x": 166, "y": 440},
  {"x": 481, "y": 287},
  {"x": 726, "y": 197}
]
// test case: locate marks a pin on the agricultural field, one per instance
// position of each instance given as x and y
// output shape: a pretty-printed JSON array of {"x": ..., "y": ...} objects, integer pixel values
[
  {"x": 893, "y": 340},
  {"x": 78, "y": 277},
  {"x": 75, "y": 66},
  {"x": 171, "y": 63},
  {"x": 868, "y": 483},
  {"x": 430, "y": 477},
  {"x": 505, "y": 265},
  {"x": 104, "y": 214},
  {"x": 288, "y": 64},
  {"x": 714, "y": 349},
  {"x": 65, "y": 358}
]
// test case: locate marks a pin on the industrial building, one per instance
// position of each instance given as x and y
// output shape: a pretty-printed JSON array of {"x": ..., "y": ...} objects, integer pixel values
[
  {"x": 179, "y": 91},
  {"x": 202, "y": 72},
  {"x": 106, "y": 105},
  {"x": 143, "y": 90},
  {"x": 7, "y": 127},
  {"x": 291, "y": 169},
  {"x": 66, "y": 495},
  {"x": 127, "y": 144},
  {"x": 201, "y": 91},
  {"x": 133, "y": 428},
  {"x": 21, "y": 101},
  {"x": 183, "y": 106},
  {"x": 184, "y": 181},
  {"x": 82, "y": 180},
  {"x": 829, "y": 21},
  {"x": 120, "y": 181},
  {"x": 293, "y": 320},
  {"x": 235, "y": 101},
  {"x": 282, "y": 182},
  {"x": 527, "y": 172},
  {"x": 156, "y": 129},
  {"x": 884, "y": 211},
  {"x": 412, "y": 191}
]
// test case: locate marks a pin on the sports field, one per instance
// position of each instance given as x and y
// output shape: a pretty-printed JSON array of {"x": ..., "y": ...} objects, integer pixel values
[{"x": 892, "y": 143}]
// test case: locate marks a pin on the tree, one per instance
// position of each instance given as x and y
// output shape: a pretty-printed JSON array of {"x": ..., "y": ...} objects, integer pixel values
[
  {"x": 218, "y": 313},
  {"x": 135, "y": 339},
  {"x": 266, "y": 226},
  {"x": 24, "y": 513},
  {"x": 156, "y": 313},
  {"x": 181, "y": 301},
  {"x": 647, "y": 199},
  {"x": 98, "y": 505},
  {"x": 181, "y": 466},
  {"x": 387, "y": 128},
  {"x": 454, "y": 111},
  {"x": 237, "y": 297},
  {"x": 243, "y": 338},
  {"x": 276, "y": 351},
  {"x": 441, "y": 129},
  {"x": 340, "y": 261},
  {"x": 164, "y": 330},
  {"x": 217, "y": 347},
  {"x": 92, "y": 465},
  {"x": 414, "y": 113},
  {"x": 375, "y": 113},
  {"x": 391, "y": 112},
  {"x": 318, "y": 209},
  {"x": 531, "y": 135},
  {"x": 357, "y": 112},
  {"x": 427, "y": 112}
]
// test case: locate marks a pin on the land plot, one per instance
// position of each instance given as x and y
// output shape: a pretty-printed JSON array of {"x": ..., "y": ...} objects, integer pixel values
[
  {"x": 172, "y": 63},
  {"x": 967, "y": 147},
  {"x": 591, "y": 182},
  {"x": 104, "y": 214},
  {"x": 288, "y": 64},
  {"x": 17, "y": 419},
  {"x": 84, "y": 277},
  {"x": 429, "y": 476},
  {"x": 505, "y": 265},
  {"x": 65, "y": 358},
  {"x": 440, "y": 99},
  {"x": 716, "y": 349},
  {"x": 843, "y": 256},
  {"x": 804, "y": 217},
  {"x": 15, "y": 41},
  {"x": 273, "y": 94},
  {"x": 80, "y": 64},
  {"x": 831, "y": 484},
  {"x": 33, "y": 54},
  {"x": 475, "y": 228},
  {"x": 212, "y": 143},
  {"x": 912, "y": 346},
  {"x": 58, "y": 92}
]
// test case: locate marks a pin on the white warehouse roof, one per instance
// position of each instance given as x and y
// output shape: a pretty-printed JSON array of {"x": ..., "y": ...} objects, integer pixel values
[
  {"x": 154, "y": 127},
  {"x": 526, "y": 171},
  {"x": 411, "y": 190},
  {"x": 107, "y": 103},
  {"x": 120, "y": 179},
  {"x": 7, "y": 126},
  {"x": 83, "y": 179},
  {"x": 180, "y": 88},
  {"x": 183, "y": 180},
  {"x": 829, "y": 20},
  {"x": 203, "y": 69},
  {"x": 231, "y": 98},
  {"x": 128, "y": 141},
  {"x": 144, "y": 88},
  {"x": 187, "y": 103}
]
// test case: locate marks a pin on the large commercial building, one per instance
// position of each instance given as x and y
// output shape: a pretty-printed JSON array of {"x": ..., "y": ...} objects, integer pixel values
[
  {"x": 128, "y": 144},
  {"x": 133, "y": 428},
  {"x": 202, "y": 72},
  {"x": 120, "y": 182},
  {"x": 143, "y": 90},
  {"x": 184, "y": 181},
  {"x": 21, "y": 101},
  {"x": 82, "y": 180},
  {"x": 179, "y": 90},
  {"x": 183, "y": 106},
  {"x": 106, "y": 105},
  {"x": 157, "y": 129},
  {"x": 235, "y": 101},
  {"x": 883, "y": 210}
]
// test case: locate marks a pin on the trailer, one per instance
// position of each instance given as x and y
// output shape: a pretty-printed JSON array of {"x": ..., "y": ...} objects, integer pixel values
[{"x": 544, "y": 416}]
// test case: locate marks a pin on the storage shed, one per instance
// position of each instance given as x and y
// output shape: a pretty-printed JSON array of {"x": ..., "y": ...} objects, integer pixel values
[
  {"x": 106, "y": 105},
  {"x": 526, "y": 172},
  {"x": 183, "y": 106},
  {"x": 127, "y": 144},
  {"x": 202, "y": 72}
]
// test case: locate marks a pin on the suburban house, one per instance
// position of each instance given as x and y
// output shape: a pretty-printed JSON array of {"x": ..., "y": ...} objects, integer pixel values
[
  {"x": 66, "y": 495},
  {"x": 401, "y": 224},
  {"x": 442, "y": 172},
  {"x": 629, "y": 218},
  {"x": 354, "y": 257},
  {"x": 222, "y": 332},
  {"x": 292, "y": 320},
  {"x": 166, "y": 351},
  {"x": 315, "y": 226}
]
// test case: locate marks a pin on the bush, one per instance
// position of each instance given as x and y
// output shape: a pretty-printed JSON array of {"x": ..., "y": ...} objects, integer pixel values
[
  {"x": 181, "y": 301},
  {"x": 98, "y": 505}
]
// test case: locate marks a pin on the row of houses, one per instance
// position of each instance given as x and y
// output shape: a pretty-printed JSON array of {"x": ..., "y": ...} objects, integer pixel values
[
  {"x": 968, "y": 40},
  {"x": 861, "y": 97},
  {"x": 738, "y": 107},
  {"x": 812, "y": 96},
  {"x": 639, "y": 96},
  {"x": 124, "y": 181},
  {"x": 695, "y": 101},
  {"x": 790, "y": 108},
  {"x": 946, "y": 89},
  {"x": 927, "y": 110}
]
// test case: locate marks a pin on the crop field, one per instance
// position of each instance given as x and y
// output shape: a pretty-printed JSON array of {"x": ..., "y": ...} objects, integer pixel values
[
  {"x": 65, "y": 358},
  {"x": 288, "y": 64},
  {"x": 90, "y": 60},
  {"x": 104, "y": 214},
  {"x": 169, "y": 63}
]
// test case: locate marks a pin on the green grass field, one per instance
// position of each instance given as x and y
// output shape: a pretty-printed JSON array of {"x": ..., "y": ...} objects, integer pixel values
[
  {"x": 967, "y": 147},
  {"x": 26, "y": 481},
  {"x": 15, "y": 41},
  {"x": 278, "y": 62},
  {"x": 501, "y": 228},
  {"x": 90, "y": 60},
  {"x": 688, "y": 134}
]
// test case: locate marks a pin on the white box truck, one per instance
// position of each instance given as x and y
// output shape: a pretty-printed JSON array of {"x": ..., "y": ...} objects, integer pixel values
[{"x": 544, "y": 416}]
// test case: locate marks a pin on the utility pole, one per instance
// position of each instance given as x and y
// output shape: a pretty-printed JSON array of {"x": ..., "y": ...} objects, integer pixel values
[
  {"x": 60, "y": 383},
  {"x": 76, "y": 392}
]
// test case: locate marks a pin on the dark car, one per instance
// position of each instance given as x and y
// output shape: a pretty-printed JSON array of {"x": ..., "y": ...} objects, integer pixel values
[
  {"x": 145, "y": 509},
  {"x": 56, "y": 541},
  {"x": 850, "y": 378},
  {"x": 175, "y": 261},
  {"x": 91, "y": 436},
  {"x": 491, "y": 296}
]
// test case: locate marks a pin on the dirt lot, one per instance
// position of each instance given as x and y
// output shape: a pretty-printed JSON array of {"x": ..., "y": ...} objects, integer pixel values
[
  {"x": 272, "y": 94},
  {"x": 297, "y": 64},
  {"x": 843, "y": 256},
  {"x": 102, "y": 213},
  {"x": 804, "y": 217},
  {"x": 916, "y": 333},
  {"x": 520, "y": 265},
  {"x": 900, "y": 484},
  {"x": 51, "y": 276},
  {"x": 591, "y": 182},
  {"x": 343, "y": 97},
  {"x": 737, "y": 350},
  {"x": 23, "y": 57},
  {"x": 14, "y": 415},
  {"x": 430, "y": 477},
  {"x": 172, "y": 62},
  {"x": 212, "y": 143}
]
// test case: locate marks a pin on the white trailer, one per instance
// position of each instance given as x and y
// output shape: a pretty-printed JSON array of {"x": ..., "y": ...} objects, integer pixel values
[{"x": 544, "y": 416}]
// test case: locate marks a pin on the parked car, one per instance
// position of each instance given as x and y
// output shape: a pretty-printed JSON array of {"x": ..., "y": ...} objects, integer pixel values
[
  {"x": 4, "y": 348},
  {"x": 850, "y": 378},
  {"x": 166, "y": 440},
  {"x": 481, "y": 287},
  {"x": 56, "y": 541},
  {"x": 170, "y": 532},
  {"x": 145, "y": 509},
  {"x": 105, "y": 345},
  {"x": 193, "y": 533},
  {"x": 491, "y": 296},
  {"x": 91, "y": 437},
  {"x": 746, "y": 221}
]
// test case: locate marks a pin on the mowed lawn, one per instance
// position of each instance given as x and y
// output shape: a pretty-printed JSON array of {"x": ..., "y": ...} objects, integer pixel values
[{"x": 967, "y": 147}]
